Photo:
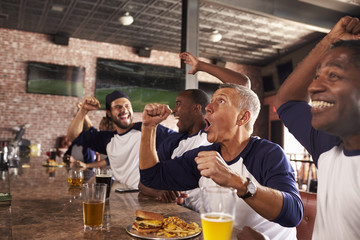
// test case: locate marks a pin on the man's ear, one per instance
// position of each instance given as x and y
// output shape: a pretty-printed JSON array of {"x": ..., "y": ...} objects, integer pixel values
[
  {"x": 108, "y": 114},
  {"x": 243, "y": 118},
  {"x": 197, "y": 107}
]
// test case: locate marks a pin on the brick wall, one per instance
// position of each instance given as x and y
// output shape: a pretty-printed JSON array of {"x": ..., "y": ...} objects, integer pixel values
[{"x": 50, "y": 115}]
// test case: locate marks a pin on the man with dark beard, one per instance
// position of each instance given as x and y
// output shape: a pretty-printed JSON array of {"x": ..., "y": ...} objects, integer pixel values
[{"x": 122, "y": 145}]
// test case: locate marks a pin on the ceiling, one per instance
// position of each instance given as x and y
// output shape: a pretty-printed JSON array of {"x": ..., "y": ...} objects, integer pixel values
[{"x": 253, "y": 32}]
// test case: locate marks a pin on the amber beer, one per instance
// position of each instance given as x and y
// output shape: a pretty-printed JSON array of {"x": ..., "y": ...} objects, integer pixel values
[
  {"x": 75, "y": 182},
  {"x": 93, "y": 195},
  {"x": 75, "y": 177},
  {"x": 93, "y": 213},
  {"x": 217, "y": 226},
  {"x": 105, "y": 178}
]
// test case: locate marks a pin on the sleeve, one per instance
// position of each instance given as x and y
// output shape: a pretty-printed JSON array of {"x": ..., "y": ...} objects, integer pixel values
[
  {"x": 89, "y": 155},
  {"x": 179, "y": 174},
  {"x": 95, "y": 140},
  {"x": 107, "y": 161},
  {"x": 162, "y": 133},
  {"x": 277, "y": 173},
  {"x": 296, "y": 116}
]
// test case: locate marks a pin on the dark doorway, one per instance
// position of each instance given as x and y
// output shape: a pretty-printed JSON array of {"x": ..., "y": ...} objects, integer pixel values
[{"x": 277, "y": 132}]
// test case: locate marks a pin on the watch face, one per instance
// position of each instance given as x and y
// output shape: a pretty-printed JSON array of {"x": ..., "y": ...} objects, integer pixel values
[{"x": 251, "y": 188}]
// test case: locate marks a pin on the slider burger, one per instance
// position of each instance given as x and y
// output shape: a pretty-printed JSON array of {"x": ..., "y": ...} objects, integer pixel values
[{"x": 147, "y": 222}]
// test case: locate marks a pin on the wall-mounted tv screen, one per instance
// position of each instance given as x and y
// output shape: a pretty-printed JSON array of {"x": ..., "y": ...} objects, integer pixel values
[
  {"x": 46, "y": 78},
  {"x": 143, "y": 83}
]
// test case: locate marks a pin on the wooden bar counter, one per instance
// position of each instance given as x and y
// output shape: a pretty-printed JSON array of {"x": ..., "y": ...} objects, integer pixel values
[{"x": 45, "y": 207}]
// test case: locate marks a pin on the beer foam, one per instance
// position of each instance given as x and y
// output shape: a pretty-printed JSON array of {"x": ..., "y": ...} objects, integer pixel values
[{"x": 103, "y": 175}]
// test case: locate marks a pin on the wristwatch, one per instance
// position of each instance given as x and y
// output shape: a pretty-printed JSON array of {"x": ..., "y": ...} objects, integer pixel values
[{"x": 251, "y": 189}]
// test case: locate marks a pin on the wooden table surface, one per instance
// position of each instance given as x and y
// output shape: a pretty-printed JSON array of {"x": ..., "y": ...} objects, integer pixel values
[{"x": 45, "y": 207}]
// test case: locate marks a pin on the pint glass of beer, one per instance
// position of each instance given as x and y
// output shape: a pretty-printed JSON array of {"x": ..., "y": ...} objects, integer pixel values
[
  {"x": 93, "y": 205},
  {"x": 217, "y": 212},
  {"x": 104, "y": 175}
]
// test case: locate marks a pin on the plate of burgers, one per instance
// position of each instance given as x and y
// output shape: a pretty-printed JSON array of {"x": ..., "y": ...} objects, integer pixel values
[{"x": 151, "y": 225}]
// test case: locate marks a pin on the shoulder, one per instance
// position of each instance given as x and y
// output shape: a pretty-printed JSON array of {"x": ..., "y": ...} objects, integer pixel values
[
  {"x": 259, "y": 145},
  {"x": 195, "y": 151},
  {"x": 163, "y": 132}
]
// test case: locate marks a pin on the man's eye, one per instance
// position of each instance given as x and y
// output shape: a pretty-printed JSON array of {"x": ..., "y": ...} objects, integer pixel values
[{"x": 333, "y": 75}]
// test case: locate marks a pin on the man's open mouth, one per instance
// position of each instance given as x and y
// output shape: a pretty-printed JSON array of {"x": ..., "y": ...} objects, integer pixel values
[{"x": 207, "y": 125}]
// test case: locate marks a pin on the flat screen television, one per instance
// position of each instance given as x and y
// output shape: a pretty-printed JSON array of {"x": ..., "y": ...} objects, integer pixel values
[
  {"x": 46, "y": 78},
  {"x": 143, "y": 83}
]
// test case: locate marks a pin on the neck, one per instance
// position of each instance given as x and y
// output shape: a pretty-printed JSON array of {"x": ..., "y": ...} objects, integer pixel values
[
  {"x": 232, "y": 148},
  {"x": 196, "y": 128},
  {"x": 351, "y": 143},
  {"x": 123, "y": 130}
]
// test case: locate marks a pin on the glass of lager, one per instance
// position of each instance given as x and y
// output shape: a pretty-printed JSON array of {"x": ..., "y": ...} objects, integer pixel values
[
  {"x": 93, "y": 205},
  {"x": 217, "y": 212}
]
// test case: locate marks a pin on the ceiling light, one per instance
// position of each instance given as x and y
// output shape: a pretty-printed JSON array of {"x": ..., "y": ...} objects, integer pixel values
[
  {"x": 126, "y": 20},
  {"x": 57, "y": 8},
  {"x": 215, "y": 36}
]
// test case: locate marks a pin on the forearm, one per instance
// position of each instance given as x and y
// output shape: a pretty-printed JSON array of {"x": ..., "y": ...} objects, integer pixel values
[
  {"x": 101, "y": 163},
  {"x": 76, "y": 125},
  {"x": 87, "y": 123},
  {"x": 152, "y": 192},
  {"x": 148, "y": 155},
  {"x": 295, "y": 86},
  {"x": 224, "y": 74},
  {"x": 267, "y": 202}
]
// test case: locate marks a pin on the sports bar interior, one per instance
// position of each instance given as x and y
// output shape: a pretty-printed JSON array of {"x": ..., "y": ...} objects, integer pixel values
[{"x": 110, "y": 39}]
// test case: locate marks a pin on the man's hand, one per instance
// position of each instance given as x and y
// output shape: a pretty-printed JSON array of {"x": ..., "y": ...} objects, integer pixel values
[
  {"x": 346, "y": 28},
  {"x": 172, "y": 196},
  {"x": 155, "y": 113},
  {"x": 191, "y": 60},
  {"x": 89, "y": 104},
  {"x": 212, "y": 165}
]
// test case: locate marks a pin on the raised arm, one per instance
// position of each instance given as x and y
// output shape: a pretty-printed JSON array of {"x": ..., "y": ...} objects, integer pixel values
[
  {"x": 87, "y": 122},
  {"x": 153, "y": 115},
  {"x": 76, "y": 125},
  {"x": 224, "y": 74},
  {"x": 295, "y": 86}
]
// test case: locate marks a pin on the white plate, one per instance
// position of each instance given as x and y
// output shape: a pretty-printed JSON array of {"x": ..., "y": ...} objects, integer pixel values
[{"x": 153, "y": 236}]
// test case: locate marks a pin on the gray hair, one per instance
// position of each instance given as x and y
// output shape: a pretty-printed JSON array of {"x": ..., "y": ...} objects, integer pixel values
[{"x": 248, "y": 101}]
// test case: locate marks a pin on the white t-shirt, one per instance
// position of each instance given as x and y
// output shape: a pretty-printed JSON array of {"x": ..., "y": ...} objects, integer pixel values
[{"x": 338, "y": 196}]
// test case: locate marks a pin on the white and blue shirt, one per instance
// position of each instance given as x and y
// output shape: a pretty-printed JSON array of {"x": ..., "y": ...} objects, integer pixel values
[
  {"x": 262, "y": 161},
  {"x": 338, "y": 191},
  {"x": 122, "y": 150}
]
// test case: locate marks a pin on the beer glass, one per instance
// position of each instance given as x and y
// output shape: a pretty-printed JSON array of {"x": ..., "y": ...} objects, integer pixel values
[
  {"x": 217, "y": 212},
  {"x": 104, "y": 175},
  {"x": 93, "y": 205}
]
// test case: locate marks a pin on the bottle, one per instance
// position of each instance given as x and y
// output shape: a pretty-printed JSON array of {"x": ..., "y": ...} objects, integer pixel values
[{"x": 5, "y": 153}]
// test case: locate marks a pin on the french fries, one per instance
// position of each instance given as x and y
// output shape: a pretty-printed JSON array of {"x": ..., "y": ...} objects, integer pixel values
[{"x": 176, "y": 227}]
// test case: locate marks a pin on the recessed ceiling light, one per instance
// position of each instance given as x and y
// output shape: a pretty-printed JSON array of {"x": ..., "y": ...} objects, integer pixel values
[{"x": 57, "y": 8}]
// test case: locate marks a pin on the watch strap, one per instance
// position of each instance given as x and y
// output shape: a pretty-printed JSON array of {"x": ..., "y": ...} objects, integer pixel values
[{"x": 247, "y": 194}]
